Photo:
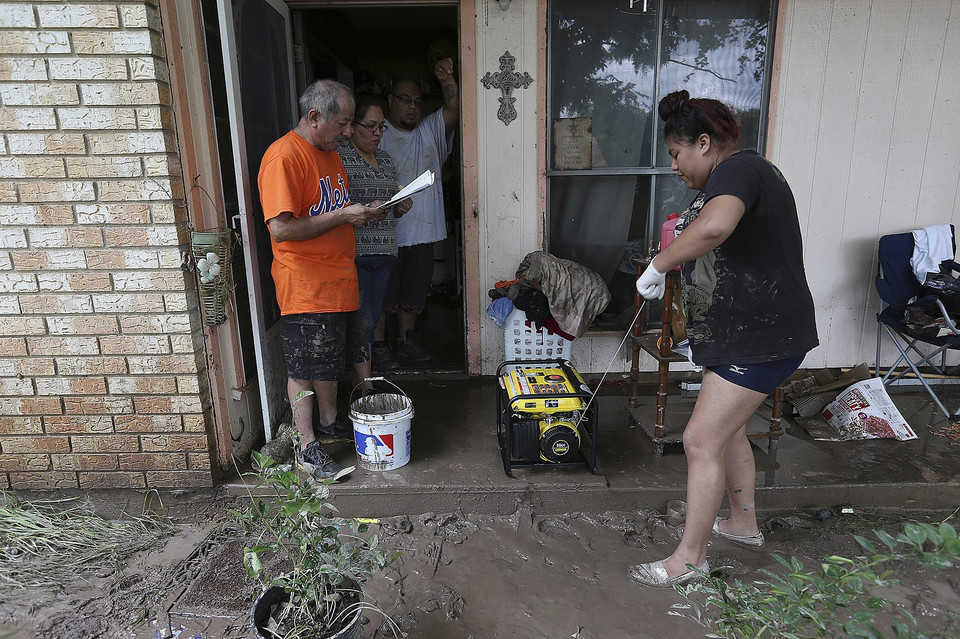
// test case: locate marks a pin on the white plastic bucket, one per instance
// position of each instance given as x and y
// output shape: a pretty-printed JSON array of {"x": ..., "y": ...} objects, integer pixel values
[{"x": 381, "y": 429}]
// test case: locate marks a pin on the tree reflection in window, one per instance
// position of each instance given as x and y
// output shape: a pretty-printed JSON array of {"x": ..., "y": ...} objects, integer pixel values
[{"x": 612, "y": 63}]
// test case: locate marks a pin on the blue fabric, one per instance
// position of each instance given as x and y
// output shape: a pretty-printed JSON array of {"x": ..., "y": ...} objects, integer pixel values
[
  {"x": 499, "y": 309},
  {"x": 898, "y": 284},
  {"x": 762, "y": 377},
  {"x": 373, "y": 271}
]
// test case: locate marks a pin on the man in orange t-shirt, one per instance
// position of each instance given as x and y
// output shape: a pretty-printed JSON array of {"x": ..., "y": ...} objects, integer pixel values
[{"x": 305, "y": 200}]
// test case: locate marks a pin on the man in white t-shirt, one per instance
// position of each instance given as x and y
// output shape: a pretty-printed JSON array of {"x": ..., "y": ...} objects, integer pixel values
[{"x": 416, "y": 144}]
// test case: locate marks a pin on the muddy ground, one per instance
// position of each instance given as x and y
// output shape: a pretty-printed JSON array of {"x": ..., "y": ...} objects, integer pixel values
[{"x": 458, "y": 576}]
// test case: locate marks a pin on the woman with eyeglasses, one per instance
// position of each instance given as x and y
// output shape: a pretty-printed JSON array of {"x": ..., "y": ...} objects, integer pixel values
[{"x": 372, "y": 176}]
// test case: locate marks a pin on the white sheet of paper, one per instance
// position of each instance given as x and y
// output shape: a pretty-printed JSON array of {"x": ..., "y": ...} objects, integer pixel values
[{"x": 422, "y": 182}]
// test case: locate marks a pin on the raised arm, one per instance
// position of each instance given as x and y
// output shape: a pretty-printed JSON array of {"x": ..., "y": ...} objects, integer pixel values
[{"x": 443, "y": 70}]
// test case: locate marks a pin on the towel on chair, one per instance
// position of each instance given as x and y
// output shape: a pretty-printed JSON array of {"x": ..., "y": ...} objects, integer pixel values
[{"x": 931, "y": 246}]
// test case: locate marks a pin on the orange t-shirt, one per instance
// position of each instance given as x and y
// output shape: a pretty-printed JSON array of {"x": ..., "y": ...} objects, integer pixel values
[{"x": 316, "y": 275}]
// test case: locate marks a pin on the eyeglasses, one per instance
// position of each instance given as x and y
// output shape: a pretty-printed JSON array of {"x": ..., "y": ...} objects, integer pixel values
[
  {"x": 373, "y": 128},
  {"x": 407, "y": 100}
]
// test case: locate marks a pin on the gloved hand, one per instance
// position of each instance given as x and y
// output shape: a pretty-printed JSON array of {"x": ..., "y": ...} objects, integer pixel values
[{"x": 651, "y": 283}]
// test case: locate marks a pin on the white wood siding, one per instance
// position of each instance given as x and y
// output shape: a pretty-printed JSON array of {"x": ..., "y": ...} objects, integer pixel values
[
  {"x": 508, "y": 192},
  {"x": 865, "y": 131}
]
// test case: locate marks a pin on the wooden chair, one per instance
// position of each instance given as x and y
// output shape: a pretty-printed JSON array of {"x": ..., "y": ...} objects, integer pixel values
[{"x": 659, "y": 346}]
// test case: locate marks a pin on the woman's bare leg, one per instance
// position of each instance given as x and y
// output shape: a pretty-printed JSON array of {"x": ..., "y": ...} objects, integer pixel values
[
  {"x": 741, "y": 477},
  {"x": 721, "y": 412}
]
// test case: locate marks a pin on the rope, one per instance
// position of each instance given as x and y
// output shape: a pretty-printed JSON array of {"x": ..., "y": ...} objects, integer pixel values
[{"x": 610, "y": 365}]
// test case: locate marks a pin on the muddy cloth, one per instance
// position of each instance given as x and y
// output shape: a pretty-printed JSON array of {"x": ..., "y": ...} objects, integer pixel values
[{"x": 575, "y": 294}]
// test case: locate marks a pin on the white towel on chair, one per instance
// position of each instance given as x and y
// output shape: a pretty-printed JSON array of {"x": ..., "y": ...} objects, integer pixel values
[{"x": 931, "y": 245}]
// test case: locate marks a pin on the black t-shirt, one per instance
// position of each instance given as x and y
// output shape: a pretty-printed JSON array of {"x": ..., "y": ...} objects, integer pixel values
[{"x": 747, "y": 301}]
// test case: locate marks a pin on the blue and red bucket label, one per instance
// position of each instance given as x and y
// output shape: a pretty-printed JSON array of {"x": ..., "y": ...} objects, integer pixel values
[{"x": 374, "y": 446}]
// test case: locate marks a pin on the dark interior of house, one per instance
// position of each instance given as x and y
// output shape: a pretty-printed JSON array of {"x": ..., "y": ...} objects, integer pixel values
[{"x": 369, "y": 48}]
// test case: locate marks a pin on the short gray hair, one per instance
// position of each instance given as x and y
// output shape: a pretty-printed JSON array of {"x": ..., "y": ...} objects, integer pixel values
[{"x": 324, "y": 96}]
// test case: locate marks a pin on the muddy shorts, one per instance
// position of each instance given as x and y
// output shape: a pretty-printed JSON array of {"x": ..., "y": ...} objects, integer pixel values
[
  {"x": 317, "y": 346},
  {"x": 410, "y": 279},
  {"x": 762, "y": 377}
]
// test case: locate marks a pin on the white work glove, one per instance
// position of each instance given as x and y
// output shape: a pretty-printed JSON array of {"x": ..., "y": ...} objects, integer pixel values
[{"x": 651, "y": 283}]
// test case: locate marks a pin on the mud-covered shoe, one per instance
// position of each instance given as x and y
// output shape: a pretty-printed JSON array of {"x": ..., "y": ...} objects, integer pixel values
[
  {"x": 338, "y": 430},
  {"x": 412, "y": 350},
  {"x": 383, "y": 358},
  {"x": 314, "y": 459},
  {"x": 750, "y": 541},
  {"x": 656, "y": 576}
]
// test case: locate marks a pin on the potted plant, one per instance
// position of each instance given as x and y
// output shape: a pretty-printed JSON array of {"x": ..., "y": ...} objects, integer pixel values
[{"x": 311, "y": 563}]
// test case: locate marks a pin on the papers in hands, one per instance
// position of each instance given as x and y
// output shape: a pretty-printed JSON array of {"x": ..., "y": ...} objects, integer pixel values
[{"x": 422, "y": 182}]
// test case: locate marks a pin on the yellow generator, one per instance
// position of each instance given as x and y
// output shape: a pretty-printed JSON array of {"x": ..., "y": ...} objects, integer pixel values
[{"x": 545, "y": 416}]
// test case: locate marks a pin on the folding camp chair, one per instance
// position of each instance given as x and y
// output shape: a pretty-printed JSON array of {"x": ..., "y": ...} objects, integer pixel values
[{"x": 897, "y": 286}]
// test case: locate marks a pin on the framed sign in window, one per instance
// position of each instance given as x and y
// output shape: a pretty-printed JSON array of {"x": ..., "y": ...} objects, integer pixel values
[{"x": 572, "y": 148}]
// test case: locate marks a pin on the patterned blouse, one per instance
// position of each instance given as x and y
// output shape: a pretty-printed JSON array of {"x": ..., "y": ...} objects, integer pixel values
[{"x": 366, "y": 185}]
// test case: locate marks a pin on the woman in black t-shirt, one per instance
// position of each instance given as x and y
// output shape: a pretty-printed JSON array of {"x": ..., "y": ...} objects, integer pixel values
[{"x": 749, "y": 313}]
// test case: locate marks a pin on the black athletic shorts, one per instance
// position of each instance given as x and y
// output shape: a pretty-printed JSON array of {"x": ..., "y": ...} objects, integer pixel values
[{"x": 318, "y": 345}]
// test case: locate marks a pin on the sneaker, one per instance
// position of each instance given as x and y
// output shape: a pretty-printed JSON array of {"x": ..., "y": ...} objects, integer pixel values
[
  {"x": 314, "y": 459},
  {"x": 411, "y": 349},
  {"x": 383, "y": 359},
  {"x": 339, "y": 430}
]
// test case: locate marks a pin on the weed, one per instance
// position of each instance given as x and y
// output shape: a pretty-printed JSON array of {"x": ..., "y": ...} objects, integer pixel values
[{"x": 837, "y": 600}]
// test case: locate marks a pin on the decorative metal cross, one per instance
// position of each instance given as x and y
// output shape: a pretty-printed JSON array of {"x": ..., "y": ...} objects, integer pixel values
[{"x": 506, "y": 80}]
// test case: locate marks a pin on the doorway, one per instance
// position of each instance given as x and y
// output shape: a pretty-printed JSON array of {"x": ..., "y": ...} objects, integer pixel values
[
  {"x": 271, "y": 51},
  {"x": 369, "y": 48}
]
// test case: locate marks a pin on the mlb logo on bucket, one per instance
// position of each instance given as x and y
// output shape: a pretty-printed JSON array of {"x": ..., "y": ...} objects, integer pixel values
[{"x": 376, "y": 446}]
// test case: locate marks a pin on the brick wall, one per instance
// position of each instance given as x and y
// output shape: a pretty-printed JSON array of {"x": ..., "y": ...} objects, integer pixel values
[{"x": 101, "y": 346}]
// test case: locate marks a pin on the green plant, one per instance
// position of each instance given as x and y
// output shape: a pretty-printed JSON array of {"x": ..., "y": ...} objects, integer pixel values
[
  {"x": 837, "y": 600},
  {"x": 318, "y": 558}
]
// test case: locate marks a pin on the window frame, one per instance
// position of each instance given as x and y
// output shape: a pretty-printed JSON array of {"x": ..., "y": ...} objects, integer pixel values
[{"x": 654, "y": 171}]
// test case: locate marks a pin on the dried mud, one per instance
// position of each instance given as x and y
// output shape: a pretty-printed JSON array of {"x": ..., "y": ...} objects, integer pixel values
[{"x": 458, "y": 576}]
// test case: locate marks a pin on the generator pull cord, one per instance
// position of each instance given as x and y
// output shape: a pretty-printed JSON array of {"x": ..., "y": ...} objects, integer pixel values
[{"x": 610, "y": 365}]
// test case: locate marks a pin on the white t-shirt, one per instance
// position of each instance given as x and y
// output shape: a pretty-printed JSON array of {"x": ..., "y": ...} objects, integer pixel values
[{"x": 413, "y": 152}]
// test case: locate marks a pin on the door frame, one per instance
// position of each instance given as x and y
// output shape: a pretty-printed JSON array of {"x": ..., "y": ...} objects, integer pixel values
[
  {"x": 265, "y": 338},
  {"x": 231, "y": 393},
  {"x": 474, "y": 296}
]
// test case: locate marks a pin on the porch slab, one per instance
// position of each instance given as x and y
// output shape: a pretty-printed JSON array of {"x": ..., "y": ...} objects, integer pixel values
[{"x": 456, "y": 465}]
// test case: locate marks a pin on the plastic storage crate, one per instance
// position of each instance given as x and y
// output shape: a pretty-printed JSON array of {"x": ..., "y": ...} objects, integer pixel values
[{"x": 522, "y": 340}]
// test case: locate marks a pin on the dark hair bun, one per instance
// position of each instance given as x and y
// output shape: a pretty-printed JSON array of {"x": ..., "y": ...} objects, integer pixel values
[{"x": 671, "y": 103}]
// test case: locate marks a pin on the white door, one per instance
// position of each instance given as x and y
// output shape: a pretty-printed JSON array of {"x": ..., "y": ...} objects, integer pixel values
[{"x": 258, "y": 64}]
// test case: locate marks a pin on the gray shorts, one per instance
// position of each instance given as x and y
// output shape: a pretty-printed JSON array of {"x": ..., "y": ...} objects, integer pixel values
[{"x": 317, "y": 346}]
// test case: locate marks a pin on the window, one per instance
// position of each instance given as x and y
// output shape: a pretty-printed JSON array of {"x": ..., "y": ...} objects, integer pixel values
[{"x": 610, "y": 186}]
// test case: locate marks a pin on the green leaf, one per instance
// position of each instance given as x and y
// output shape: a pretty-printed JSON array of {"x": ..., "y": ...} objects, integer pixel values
[
  {"x": 915, "y": 533},
  {"x": 254, "y": 563},
  {"x": 301, "y": 394},
  {"x": 866, "y": 543},
  {"x": 886, "y": 538},
  {"x": 933, "y": 560}
]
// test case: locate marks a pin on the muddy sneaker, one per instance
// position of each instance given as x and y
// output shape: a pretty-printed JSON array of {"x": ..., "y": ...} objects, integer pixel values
[
  {"x": 411, "y": 349},
  {"x": 383, "y": 359},
  {"x": 339, "y": 430},
  {"x": 314, "y": 459}
]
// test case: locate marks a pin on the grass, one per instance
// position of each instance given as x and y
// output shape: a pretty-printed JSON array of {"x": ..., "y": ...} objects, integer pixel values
[{"x": 46, "y": 544}]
